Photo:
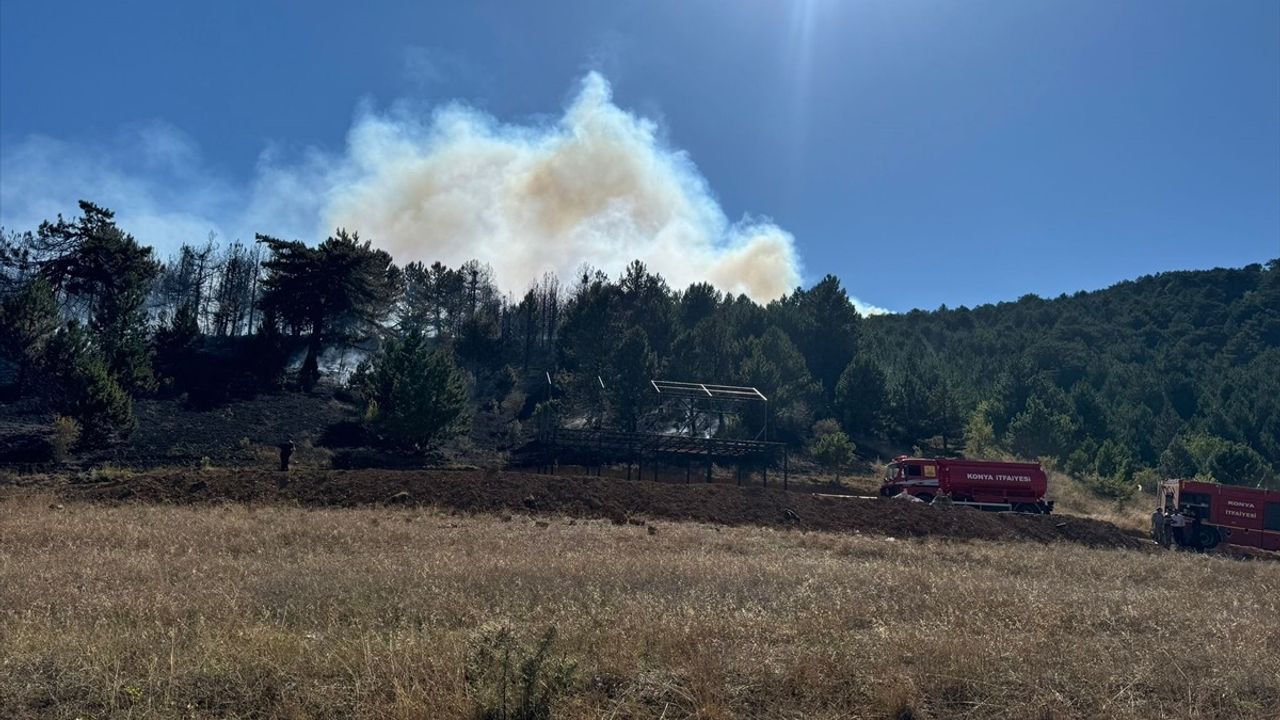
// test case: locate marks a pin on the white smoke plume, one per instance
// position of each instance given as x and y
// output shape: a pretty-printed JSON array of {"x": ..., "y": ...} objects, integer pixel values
[{"x": 597, "y": 187}]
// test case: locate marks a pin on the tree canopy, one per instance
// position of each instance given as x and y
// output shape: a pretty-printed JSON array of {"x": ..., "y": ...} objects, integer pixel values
[{"x": 1178, "y": 372}]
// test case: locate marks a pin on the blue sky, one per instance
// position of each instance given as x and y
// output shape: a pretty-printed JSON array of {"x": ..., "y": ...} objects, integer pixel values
[{"x": 924, "y": 152}]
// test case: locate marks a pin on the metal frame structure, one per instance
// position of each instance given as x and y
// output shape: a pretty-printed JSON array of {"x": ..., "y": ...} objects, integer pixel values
[
  {"x": 700, "y": 399},
  {"x": 730, "y": 393},
  {"x": 595, "y": 447}
]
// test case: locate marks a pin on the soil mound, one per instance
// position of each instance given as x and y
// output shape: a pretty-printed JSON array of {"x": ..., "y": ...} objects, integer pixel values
[{"x": 594, "y": 497}]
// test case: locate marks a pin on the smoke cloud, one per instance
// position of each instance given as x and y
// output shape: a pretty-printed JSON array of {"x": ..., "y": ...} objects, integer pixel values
[{"x": 595, "y": 186}]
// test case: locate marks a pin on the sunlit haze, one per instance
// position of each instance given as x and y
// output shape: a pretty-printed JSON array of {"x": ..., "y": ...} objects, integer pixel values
[{"x": 923, "y": 153}]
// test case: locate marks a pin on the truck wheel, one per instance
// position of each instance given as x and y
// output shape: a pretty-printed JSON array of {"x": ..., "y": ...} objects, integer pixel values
[
  {"x": 1207, "y": 538},
  {"x": 1027, "y": 508}
]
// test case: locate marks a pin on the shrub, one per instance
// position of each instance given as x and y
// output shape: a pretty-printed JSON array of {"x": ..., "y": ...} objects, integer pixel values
[
  {"x": 823, "y": 428},
  {"x": 66, "y": 433},
  {"x": 508, "y": 680},
  {"x": 1113, "y": 486},
  {"x": 832, "y": 450},
  {"x": 104, "y": 409},
  {"x": 1114, "y": 460},
  {"x": 1148, "y": 479},
  {"x": 85, "y": 390},
  {"x": 979, "y": 432}
]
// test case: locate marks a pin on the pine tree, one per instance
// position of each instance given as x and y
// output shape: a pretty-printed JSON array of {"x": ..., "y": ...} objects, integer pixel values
[
  {"x": 862, "y": 396},
  {"x": 416, "y": 395},
  {"x": 1038, "y": 431},
  {"x": 28, "y": 319},
  {"x": 337, "y": 292},
  {"x": 632, "y": 366},
  {"x": 832, "y": 449},
  {"x": 85, "y": 389},
  {"x": 101, "y": 273}
]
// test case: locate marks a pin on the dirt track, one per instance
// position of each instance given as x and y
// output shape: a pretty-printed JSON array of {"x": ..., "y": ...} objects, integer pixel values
[{"x": 590, "y": 497}]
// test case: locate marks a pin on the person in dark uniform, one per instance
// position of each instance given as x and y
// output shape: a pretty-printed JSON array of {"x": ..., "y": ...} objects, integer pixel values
[
  {"x": 1193, "y": 530},
  {"x": 1159, "y": 527},
  {"x": 286, "y": 454}
]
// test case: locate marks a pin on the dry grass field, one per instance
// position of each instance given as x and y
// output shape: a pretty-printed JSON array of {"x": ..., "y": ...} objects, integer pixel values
[{"x": 263, "y": 611}]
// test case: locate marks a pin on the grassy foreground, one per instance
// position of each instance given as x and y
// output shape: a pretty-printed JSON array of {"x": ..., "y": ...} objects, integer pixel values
[{"x": 239, "y": 611}]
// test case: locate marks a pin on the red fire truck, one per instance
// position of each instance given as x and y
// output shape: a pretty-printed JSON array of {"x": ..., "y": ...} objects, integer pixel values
[
  {"x": 985, "y": 484},
  {"x": 1214, "y": 514}
]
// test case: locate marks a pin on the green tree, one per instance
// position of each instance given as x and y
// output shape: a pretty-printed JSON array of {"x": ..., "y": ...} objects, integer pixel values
[
  {"x": 1114, "y": 467},
  {"x": 85, "y": 389},
  {"x": 104, "y": 275},
  {"x": 706, "y": 353},
  {"x": 697, "y": 303},
  {"x": 416, "y": 395},
  {"x": 946, "y": 412},
  {"x": 339, "y": 291},
  {"x": 28, "y": 319},
  {"x": 175, "y": 345},
  {"x": 862, "y": 395},
  {"x": 833, "y": 450},
  {"x": 632, "y": 365},
  {"x": 644, "y": 301},
  {"x": 775, "y": 366},
  {"x": 1114, "y": 460},
  {"x": 824, "y": 325},
  {"x": 1238, "y": 464},
  {"x": 1177, "y": 461},
  {"x": 979, "y": 433},
  {"x": 1038, "y": 431},
  {"x": 911, "y": 403}
]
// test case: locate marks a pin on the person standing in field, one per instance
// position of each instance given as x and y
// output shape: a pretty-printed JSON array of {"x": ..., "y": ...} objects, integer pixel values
[
  {"x": 1159, "y": 527},
  {"x": 1178, "y": 522},
  {"x": 286, "y": 454}
]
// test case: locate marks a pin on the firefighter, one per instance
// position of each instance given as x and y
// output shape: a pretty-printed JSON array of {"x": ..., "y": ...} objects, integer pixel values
[
  {"x": 286, "y": 454},
  {"x": 1193, "y": 531},
  {"x": 1178, "y": 522},
  {"x": 1159, "y": 527}
]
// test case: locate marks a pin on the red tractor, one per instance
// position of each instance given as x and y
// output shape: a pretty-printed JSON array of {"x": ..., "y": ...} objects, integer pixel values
[
  {"x": 1203, "y": 515},
  {"x": 984, "y": 484}
]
